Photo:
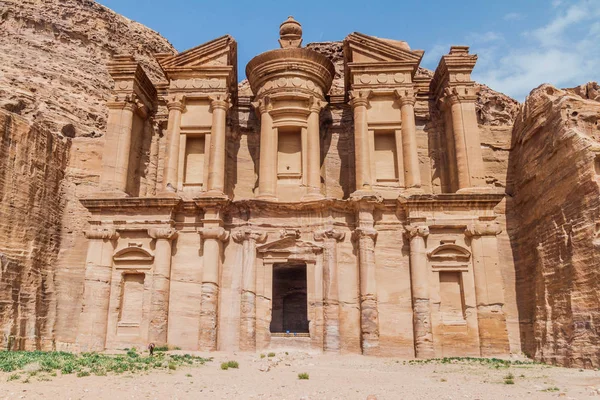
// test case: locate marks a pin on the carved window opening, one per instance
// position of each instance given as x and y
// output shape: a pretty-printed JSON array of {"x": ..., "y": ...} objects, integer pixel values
[
  {"x": 452, "y": 297},
  {"x": 385, "y": 157},
  {"x": 289, "y": 153},
  {"x": 290, "y": 305},
  {"x": 195, "y": 150},
  {"x": 132, "y": 296}
]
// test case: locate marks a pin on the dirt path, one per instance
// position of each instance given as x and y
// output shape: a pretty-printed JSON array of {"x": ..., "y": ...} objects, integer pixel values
[{"x": 330, "y": 377}]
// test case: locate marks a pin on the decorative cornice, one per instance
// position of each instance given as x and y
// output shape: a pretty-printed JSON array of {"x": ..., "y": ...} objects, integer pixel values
[
  {"x": 329, "y": 233},
  {"x": 249, "y": 234},
  {"x": 475, "y": 229},
  {"x": 104, "y": 233},
  {"x": 413, "y": 231},
  {"x": 162, "y": 233},
  {"x": 359, "y": 98},
  {"x": 217, "y": 233}
]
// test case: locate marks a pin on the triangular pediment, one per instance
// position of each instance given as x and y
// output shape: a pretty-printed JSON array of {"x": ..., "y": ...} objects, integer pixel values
[
  {"x": 361, "y": 48},
  {"x": 220, "y": 52}
]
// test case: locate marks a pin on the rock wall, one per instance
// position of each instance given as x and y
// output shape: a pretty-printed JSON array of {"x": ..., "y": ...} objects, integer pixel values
[
  {"x": 53, "y": 56},
  {"x": 32, "y": 169},
  {"x": 553, "y": 214}
]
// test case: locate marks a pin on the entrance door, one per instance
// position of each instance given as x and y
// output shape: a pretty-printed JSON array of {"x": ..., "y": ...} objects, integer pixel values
[{"x": 289, "y": 299}]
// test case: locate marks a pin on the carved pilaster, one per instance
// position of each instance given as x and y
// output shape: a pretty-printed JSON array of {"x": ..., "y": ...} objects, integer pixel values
[
  {"x": 420, "y": 291},
  {"x": 249, "y": 238},
  {"x": 359, "y": 100},
  {"x": 176, "y": 106}
]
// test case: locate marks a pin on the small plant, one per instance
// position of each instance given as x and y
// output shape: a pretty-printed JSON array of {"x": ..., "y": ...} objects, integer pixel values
[
  {"x": 233, "y": 364},
  {"x": 14, "y": 377},
  {"x": 271, "y": 355},
  {"x": 81, "y": 374},
  {"x": 509, "y": 379},
  {"x": 188, "y": 375},
  {"x": 262, "y": 356},
  {"x": 172, "y": 366},
  {"x": 303, "y": 375},
  {"x": 287, "y": 354},
  {"x": 161, "y": 348},
  {"x": 551, "y": 389},
  {"x": 443, "y": 380},
  {"x": 224, "y": 366}
]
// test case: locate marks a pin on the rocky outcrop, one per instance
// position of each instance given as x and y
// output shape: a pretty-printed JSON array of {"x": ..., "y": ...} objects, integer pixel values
[
  {"x": 32, "y": 169},
  {"x": 553, "y": 214},
  {"x": 54, "y": 80}
]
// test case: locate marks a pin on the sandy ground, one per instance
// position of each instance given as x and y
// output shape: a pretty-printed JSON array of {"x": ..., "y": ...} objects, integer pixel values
[{"x": 331, "y": 377}]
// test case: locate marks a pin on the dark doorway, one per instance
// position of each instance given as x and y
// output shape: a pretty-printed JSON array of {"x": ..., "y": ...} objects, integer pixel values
[{"x": 289, "y": 299}]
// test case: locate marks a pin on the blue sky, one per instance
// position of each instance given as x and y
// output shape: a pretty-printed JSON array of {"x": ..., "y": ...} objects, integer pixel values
[{"x": 521, "y": 44}]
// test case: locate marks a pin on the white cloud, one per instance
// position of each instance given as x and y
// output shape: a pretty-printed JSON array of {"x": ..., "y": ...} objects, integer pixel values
[
  {"x": 486, "y": 37},
  {"x": 563, "y": 52},
  {"x": 513, "y": 16},
  {"x": 432, "y": 57}
]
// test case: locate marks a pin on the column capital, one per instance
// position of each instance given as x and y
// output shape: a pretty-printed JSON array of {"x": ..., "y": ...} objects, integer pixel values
[
  {"x": 413, "y": 231},
  {"x": 329, "y": 233},
  {"x": 175, "y": 102},
  {"x": 263, "y": 105},
  {"x": 360, "y": 233},
  {"x": 480, "y": 228},
  {"x": 101, "y": 233},
  {"x": 217, "y": 233},
  {"x": 315, "y": 105},
  {"x": 459, "y": 94},
  {"x": 220, "y": 101},
  {"x": 249, "y": 234},
  {"x": 129, "y": 102},
  {"x": 359, "y": 98},
  {"x": 162, "y": 233},
  {"x": 405, "y": 96}
]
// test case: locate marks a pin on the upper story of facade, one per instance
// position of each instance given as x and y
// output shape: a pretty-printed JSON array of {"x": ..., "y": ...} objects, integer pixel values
[{"x": 330, "y": 120}]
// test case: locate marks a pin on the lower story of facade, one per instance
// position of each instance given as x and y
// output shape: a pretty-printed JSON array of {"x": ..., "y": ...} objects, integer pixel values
[{"x": 414, "y": 277}]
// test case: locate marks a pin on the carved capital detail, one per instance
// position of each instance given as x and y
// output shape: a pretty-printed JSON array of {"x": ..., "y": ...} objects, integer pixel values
[
  {"x": 217, "y": 233},
  {"x": 263, "y": 105},
  {"x": 483, "y": 229},
  {"x": 459, "y": 94},
  {"x": 249, "y": 234},
  {"x": 413, "y": 231},
  {"x": 405, "y": 96},
  {"x": 220, "y": 100},
  {"x": 315, "y": 105},
  {"x": 175, "y": 102},
  {"x": 291, "y": 233},
  {"x": 359, "y": 98},
  {"x": 360, "y": 233},
  {"x": 104, "y": 233},
  {"x": 329, "y": 233},
  {"x": 162, "y": 233}
]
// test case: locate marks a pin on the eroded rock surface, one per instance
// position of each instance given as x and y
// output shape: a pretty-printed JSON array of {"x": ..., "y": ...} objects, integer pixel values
[{"x": 553, "y": 223}]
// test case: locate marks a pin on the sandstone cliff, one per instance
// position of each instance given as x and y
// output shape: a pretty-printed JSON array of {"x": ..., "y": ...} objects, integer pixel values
[
  {"x": 553, "y": 217},
  {"x": 54, "y": 81}
]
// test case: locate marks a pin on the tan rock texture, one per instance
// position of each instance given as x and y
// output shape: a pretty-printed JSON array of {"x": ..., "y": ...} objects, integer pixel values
[
  {"x": 54, "y": 79},
  {"x": 553, "y": 213}
]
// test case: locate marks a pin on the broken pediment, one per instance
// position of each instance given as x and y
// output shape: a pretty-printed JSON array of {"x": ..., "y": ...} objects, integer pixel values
[
  {"x": 361, "y": 48},
  {"x": 290, "y": 245},
  {"x": 217, "y": 58}
]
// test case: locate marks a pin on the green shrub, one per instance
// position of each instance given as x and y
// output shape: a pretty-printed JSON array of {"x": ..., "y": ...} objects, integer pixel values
[
  {"x": 271, "y": 355},
  {"x": 551, "y": 389},
  {"x": 224, "y": 366},
  {"x": 172, "y": 366},
  {"x": 81, "y": 374},
  {"x": 509, "y": 379},
  {"x": 233, "y": 364},
  {"x": 14, "y": 377},
  {"x": 262, "y": 356},
  {"x": 303, "y": 375}
]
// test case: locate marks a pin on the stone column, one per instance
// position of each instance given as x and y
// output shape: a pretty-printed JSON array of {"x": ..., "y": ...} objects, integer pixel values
[
  {"x": 419, "y": 279},
  {"x": 467, "y": 143},
  {"x": 248, "y": 238},
  {"x": 489, "y": 289},
  {"x": 213, "y": 237},
  {"x": 452, "y": 184},
  {"x": 115, "y": 165},
  {"x": 93, "y": 320},
  {"x": 267, "y": 179},
  {"x": 331, "y": 304},
  {"x": 171, "y": 176},
  {"x": 216, "y": 171},
  {"x": 412, "y": 173},
  {"x": 359, "y": 100},
  {"x": 366, "y": 235},
  {"x": 161, "y": 285},
  {"x": 313, "y": 150}
]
